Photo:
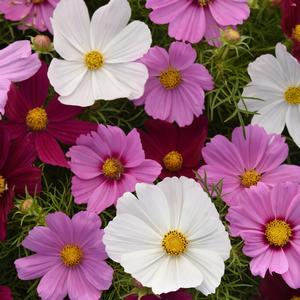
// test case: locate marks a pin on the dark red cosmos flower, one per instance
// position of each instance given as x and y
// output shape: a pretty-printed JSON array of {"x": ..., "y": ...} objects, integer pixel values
[
  {"x": 177, "y": 149},
  {"x": 29, "y": 117},
  {"x": 179, "y": 295},
  {"x": 17, "y": 174},
  {"x": 275, "y": 288},
  {"x": 5, "y": 293},
  {"x": 290, "y": 23}
]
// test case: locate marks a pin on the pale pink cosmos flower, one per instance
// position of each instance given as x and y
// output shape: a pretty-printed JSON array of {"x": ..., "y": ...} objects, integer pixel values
[
  {"x": 269, "y": 223},
  {"x": 252, "y": 158},
  {"x": 106, "y": 164},
  {"x": 191, "y": 20},
  {"x": 176, "y": 84},
  {"x": 16, "y": 64},
  {"x": 32, "y": 13}
]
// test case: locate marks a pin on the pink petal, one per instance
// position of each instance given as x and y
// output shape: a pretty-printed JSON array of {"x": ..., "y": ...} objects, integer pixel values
[
  {"x": 182, "y": 55},
  {"x": 283, "y": 173},
  {"x": 147, "y": 171},
  {"x": 4, "y": 88},
  {"x": 292, "y": 276}
]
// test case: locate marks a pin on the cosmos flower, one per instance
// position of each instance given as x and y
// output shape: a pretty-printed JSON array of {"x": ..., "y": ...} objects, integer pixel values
[
  {"x": 169, "y": 237},
  {"x": 276, "y": 86},
  {"x": 32, "y": 13},
  {"x": 191, "y": 20},
  {"x": 175, "y": 88},
  {"x": 69, "y": 257},
  {"x": 179, "y": 295},
  {"x": 99, "y": 56},
  {"x": 17, "y": 175},
  {"x": 28, "y": 117},
  {"x": 269, "y": 223},
  {"x": 106, "y": 164},
  {"x": 177, "y": 149},
  {"x": 16, "y": 64},
  {"x": 250, "y": 159},
  {"x": 5, "y": 293}
]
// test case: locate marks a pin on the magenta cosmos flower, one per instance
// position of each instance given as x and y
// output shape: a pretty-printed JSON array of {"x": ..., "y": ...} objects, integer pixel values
[
  {"x": 69, "y": 257},
  {"x": 106, "y": 164},
  {"x": 175, "y": 88},
  {"x": 16, "y": 64},
  {"x": 269, "y": 223},
  {"x": 5, "y": 293},
  {"x": 28, "y": 117},
  {"x": 32, "y": 13},
  {"x": 190, "y": 20},
  {"x": 246, "y": 161},
  {"x": 179, "y": 295},
  {"x": 17, "y": 174}
]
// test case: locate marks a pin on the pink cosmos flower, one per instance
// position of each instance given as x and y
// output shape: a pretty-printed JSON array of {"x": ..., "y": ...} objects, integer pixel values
[
  {"x": 28, "y": 117},
  {"x": 269, "y": 223},
  {"x": 106, "y": 164},
  {"x": 32, "y": 13},
  {"x": 190, "y": 20},
  {"x": 16, "y": 64},
  {"x": 246, "y": 161},
  {"x": 69, "y": 257},
  {"x": 175, "y": 88}
]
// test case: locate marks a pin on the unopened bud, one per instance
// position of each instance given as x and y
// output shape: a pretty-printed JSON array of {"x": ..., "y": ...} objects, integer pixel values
[
  {"x": 275, "y": 2},
  {"x": 231, "y": 35},
  {"x": 42, "y": 43},
  {"x": 26, "y": 205}
]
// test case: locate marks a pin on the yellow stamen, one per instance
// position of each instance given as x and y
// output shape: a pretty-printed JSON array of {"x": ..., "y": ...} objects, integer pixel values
[
  {"x": 296, "y": 33},
  {"x": 296, "y": 298},
  {"x": 204, "y": 2},
  {"x": 3, "y": 185},
  {"x": 250, "y": 178},
  {"x": 71, "y": 255},
  {"x": 278, "y": 233},
  {"x": 37, "y": 119},
  {"x": 37, "y": 1},
  {"x": 94, "y": 60},
  {"x": 170, "y": 78},
  {"x": 113, "y": 168},
  {"x": 174, "y": 243},
  {"x": 173, "y": 161},
  {"x": 292, "y": 95}
]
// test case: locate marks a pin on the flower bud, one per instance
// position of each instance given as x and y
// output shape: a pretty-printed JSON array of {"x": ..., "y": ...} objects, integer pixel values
[
  {"x": 42, "y": 43},
  {"x": 26, "y": 205},
  {"x": 231, "y": 35}
]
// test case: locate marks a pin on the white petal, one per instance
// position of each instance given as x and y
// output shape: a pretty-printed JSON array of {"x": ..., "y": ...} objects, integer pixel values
[
  {"x": 83, "y": 95},
  {"x": 272, "y": 117},
  {"x": 127, "y": 234},
  {"x": 108, "y": 21},
  {"x": 130, "y": 44},
  {"x": 289, "y": 64},
  {"x": 125, "y": 80},
  {"x": 71, "y": 29},
  {"x": 262, "y": 96},
  {"x": 293, "y": 123},
  {"x": 211, "y": 266},
  {"x": 65, "y": 76}
]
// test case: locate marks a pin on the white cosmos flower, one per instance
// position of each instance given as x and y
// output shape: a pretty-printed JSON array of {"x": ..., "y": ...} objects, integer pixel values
[
  {"x": 99, "y": 54},
  {"x": 276, "y": 86},
  {"x": 171, "y": 237}
]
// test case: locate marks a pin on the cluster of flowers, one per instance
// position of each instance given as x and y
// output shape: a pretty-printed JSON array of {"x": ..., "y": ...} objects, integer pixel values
[{"x": 167, "y": 235}]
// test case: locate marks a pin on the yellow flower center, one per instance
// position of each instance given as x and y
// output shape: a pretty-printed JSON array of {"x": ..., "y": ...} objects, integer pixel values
[
  {"x": 295, "y": 298},
  {"x": 250, "y": 178},
  {"x": 173, "y": 161},
  {"x": 170, "y": 78},
  {"x": 94, "y": 60},
  {"x": 71, "y": 255},
  {"x": 3, "y": 186},
  {"x": 204, "y": 2},
  {"x": 37, "y": 119},
  {"x": 37, "y": 1},
  {"x": 292, "y": 95},
  {"x": 296, "y": 33},
  {"x": 278, "y": 233},
  {"x": 113, "y": 168},
  {"x": 174, "y": 243}
]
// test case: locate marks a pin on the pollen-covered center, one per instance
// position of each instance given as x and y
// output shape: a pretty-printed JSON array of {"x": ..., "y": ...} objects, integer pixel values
[
  {"x": 250, "y": 178},
  {"x": 295, "y": 298},
  {"x": 94, "y": 60},
  {"x": 292, "y": 95},
  {"x": 37, "y": 119},
  {"x": 204, "y": 3},
  {"x": 113, "y": 168},
  {"x": 174, "y": 243},
  {"x": 71, "y": 255},
  {"x": 2, "y": 185},
  {"x": 170, "y": 78},
  {"x": 278, "y": 233},
  {"x": 296, "y": 36},
  {"x": 37, "y": 1},
  {"x": 173, "y": 161}
]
